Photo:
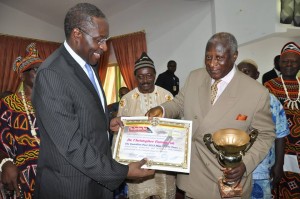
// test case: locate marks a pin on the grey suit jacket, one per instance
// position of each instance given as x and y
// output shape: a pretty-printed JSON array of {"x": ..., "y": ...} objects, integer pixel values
[
  {"x": 242, "y": 95},
  {"x": 75, "y": 157}
]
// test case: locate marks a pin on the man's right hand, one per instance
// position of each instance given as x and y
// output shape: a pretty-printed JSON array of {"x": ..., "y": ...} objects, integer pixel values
[
  {"x": 9, "y": 176},
  {"x": 155, "y": 112},
  {"x": 136, "y": 172}
]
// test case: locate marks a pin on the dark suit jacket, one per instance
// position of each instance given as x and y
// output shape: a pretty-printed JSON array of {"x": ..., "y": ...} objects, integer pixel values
[
  {"x": 168, "y": 80},
  {"x": 75, "y": 158},
  {"x": 269, "y": 75}
]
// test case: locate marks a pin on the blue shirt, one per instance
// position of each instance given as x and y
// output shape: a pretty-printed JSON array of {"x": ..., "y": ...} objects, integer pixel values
[{"x": 262, "y": 171}]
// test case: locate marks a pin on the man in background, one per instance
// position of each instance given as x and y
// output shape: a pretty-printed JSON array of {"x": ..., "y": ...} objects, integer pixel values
[
  {"x": 136, "y": 103},
  {"x": 114, "y": 107},
  {"x": 275, "y": 72},
  {"x": 168, "y": 80},
  {"x": 270, "y": 171}
]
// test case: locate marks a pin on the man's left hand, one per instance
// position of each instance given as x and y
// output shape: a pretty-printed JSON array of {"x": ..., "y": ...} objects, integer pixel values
[{"x": 115, "y": 124}]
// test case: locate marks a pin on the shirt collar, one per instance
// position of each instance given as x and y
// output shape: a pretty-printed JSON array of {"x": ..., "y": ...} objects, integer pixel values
[
  {"x": 77, "y": 58},
  {"x": 228, "y": 77}
]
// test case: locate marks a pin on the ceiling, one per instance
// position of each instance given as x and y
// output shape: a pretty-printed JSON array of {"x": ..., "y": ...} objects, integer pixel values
[{"x": 44, "y": 9}]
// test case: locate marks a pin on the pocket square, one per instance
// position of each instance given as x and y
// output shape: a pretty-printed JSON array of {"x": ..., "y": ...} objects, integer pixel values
[{"x": 241, "y": 117}]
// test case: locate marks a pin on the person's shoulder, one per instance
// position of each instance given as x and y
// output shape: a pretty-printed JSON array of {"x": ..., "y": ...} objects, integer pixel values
[
  {"x": 51, "y": 59},
  {"x": 168, "y": 95},
  {"x": 247, "y": 82},
  {"x": 269, "y": 72},
  {"x": 133, "y": 94},
  {"x": 199, "y": 72},
  {"x": 163, "y": 74}
]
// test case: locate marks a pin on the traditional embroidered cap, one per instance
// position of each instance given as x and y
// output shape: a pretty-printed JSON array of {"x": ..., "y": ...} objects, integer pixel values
[
  {"x": 144, "y": 61},
  {"x": 32, "y": 57},
  {"x": 250, "y": 61},
  {"x": 290, "y": 47}
]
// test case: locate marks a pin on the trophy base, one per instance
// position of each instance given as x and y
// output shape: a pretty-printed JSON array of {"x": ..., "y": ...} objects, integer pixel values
[{"x": 230, "y": 191}]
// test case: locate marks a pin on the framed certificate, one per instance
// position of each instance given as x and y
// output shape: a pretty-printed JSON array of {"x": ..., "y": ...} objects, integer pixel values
[{"x": 166, "y": 143}]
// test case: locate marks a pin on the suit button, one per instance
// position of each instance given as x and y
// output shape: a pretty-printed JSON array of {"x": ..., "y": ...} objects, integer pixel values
[{"x": 195, "y": 117}]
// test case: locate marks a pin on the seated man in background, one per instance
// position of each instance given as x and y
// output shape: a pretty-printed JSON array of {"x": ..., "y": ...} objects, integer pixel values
[
  {"x": 114, "y": 107},
  {"x": 269, "y": 172}
]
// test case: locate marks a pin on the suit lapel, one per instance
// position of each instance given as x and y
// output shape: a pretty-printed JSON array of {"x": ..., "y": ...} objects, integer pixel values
[
  {"x": 85, "y": 80},
  {"x": 205, "y": 104},
  {"x": 224, "y": 104}
]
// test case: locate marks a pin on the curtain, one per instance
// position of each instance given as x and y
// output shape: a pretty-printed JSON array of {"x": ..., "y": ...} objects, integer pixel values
[
  {"x": 103, "y": 63},
  {"x": 128, "y": 48},
  {"x": 10, "y": 48}
]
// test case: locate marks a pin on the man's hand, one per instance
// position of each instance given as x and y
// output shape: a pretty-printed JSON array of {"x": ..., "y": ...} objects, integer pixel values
[
  {"x": 136, "y": 172},
  {"x": 234, "y": 174},
  {"x": 9, "y": 176},
  {"x": 115, "y": 124},
  {"x": 155, "y": 112},
  {"x": 276, "y": 174}
]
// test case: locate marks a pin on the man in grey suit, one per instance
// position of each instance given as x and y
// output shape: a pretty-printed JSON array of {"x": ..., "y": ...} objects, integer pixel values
[
  {"x": 75, "y": 157},
  {"x": 240, "y": 103}
]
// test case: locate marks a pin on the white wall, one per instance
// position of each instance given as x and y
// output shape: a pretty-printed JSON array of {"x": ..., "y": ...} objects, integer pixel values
[
  {"x": 263, "y": 52},
  {"x": 247, "y": 20},
  {"x": 14, "y": 22},
  {"x": 175, "y": 29}
]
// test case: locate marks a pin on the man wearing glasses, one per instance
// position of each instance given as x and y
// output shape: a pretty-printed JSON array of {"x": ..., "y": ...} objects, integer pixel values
[{"x": 75, "y": 157}]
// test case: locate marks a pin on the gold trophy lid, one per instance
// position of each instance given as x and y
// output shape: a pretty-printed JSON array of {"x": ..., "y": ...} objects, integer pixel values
[{"x": 230, "y": 140}]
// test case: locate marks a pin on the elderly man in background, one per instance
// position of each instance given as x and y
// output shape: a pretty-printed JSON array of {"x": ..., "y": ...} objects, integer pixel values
[{"x": 215, "y": 98}]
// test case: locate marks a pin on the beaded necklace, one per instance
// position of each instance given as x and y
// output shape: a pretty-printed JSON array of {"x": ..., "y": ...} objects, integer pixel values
[
  {"x": 32, "y": 130},
  {"x": 292, "y": 103}
]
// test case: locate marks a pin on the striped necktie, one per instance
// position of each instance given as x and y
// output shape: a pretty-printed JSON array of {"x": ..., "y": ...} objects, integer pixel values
[{"x": 214, "y": 91}]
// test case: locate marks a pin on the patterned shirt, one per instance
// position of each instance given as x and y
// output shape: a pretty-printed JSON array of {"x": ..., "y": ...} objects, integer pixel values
[
  {"x": 16, "y": 139},
  {"x": 262, "y": 171}
]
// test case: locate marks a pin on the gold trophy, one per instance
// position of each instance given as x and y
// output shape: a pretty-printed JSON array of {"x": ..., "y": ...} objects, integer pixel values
[{"x": 230, "y": 146}]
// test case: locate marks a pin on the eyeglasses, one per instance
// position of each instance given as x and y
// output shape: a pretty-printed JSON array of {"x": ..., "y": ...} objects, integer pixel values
[{"x": 99, "y": 41}]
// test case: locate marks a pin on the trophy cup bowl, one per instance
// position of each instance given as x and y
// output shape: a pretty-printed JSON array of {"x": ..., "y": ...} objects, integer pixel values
[{"x": 229, "y": 147}]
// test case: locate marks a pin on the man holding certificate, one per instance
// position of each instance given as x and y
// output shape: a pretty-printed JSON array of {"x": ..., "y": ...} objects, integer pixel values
[
  {"x": 136, "y": 103},
  {"x": 215, "y": 98}
]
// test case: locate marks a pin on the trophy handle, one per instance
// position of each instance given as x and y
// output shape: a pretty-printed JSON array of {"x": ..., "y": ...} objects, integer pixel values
[
  {"x": 253, "y": 135},
  {"x": 207, "y": 141}
]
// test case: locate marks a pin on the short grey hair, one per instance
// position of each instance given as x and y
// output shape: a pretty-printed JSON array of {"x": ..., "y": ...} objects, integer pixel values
[{"x": 224, "y": 38}]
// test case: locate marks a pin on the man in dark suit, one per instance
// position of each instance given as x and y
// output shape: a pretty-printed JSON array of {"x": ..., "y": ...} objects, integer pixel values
[
  {"x": 168, "y": 80},
  {"x": 275, "y": 72},
  {"x": 75, "y": 157}
]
